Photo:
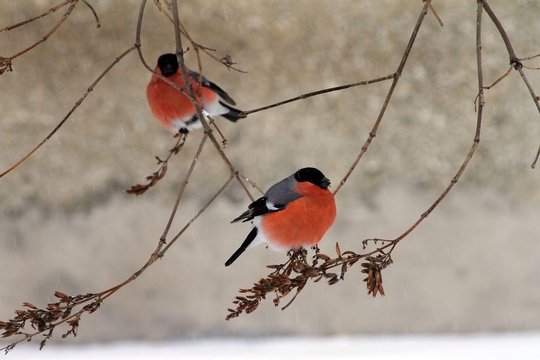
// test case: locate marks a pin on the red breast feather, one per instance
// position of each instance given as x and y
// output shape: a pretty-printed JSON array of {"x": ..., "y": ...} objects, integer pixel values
[
  {"x": 303, "y": 222},
  {"x": 168, "y": 104}
]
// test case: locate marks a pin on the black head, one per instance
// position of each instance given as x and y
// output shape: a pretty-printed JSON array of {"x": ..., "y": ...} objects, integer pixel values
[
  {"x": 168, "y": 64},
  {"x": 313, "y": 176}
]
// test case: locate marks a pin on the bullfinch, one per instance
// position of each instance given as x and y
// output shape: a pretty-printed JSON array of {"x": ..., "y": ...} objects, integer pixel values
[
  {"x": 173, "y": 109},
  {"x": 294, "y": 213}
]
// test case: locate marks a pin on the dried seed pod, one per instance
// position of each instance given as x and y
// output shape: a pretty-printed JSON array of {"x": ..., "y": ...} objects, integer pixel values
[
  {"x": 28, "y": 305},
  {"x": 60, "y": 295},
  {"x": 323, "y": 256},
  {"x": 333, "y": 280}
]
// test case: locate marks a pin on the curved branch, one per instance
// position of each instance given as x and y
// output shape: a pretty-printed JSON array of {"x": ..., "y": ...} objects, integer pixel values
[
  {"x": 52, "y": 31},
  {"x": 70, "y": 112},
  {"x": 396, "y": 77}
]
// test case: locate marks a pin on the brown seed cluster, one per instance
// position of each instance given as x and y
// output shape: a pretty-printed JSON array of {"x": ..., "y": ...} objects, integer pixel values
[
  {"x": 45, "y": 320},
  {"x": 5, "y": 65},
  {"x": 373, "y": 267},
  {"x": 159, "y": 174},
  {"x": 298, "y": 270}
]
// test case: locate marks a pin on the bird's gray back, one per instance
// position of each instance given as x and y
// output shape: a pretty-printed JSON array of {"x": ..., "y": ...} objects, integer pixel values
[{"x": 282, "y": 193}]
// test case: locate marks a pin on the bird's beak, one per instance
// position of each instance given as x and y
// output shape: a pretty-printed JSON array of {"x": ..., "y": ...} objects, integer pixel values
[{"x": 325, "y": 183}]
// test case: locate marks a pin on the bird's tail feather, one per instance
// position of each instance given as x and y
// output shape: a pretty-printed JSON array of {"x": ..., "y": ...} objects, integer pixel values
[
  {"x": 249, "y": 239},
  {"x": 233, "y": 114}
]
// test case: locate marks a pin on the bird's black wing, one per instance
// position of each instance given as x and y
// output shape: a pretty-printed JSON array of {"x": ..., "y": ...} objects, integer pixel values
[
  {"x": 256, "y": 208},
  {"x": 276, "y": 199},
  {"x": 210, "y": 85}
]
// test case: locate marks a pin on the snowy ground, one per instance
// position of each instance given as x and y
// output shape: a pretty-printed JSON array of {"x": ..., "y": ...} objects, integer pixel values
[{"x": 500, "y": 346}]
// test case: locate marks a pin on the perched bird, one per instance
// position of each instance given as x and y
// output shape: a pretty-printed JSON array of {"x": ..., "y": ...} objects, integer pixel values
[
  {"x": 173, "y": 109},
  {"x": 294, "y": 213}
]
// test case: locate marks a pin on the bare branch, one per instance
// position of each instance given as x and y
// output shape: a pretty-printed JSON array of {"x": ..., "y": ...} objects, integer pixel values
[
  {"x": 52, "y": 31},
  {"x": 98, "y": 23},
  {"x": 499, "y": 79},
  {"x": 70, "y": 112},
  {"x": 514, "y": 60},
  {"x": 226, "y": 60},
  {"x": 201, "y": 210},
  {"x": 320, "y": 92},
  {"x": 159, "y": 174},
  {"x": 530, "y": 57},
  {"x": 27, "y": 21},
  {"x": 428, "y": 2},
  {"x": 533, "y": 165},
  {"x": 396, "y": 77},
  {"x": 183, "y": 188}
]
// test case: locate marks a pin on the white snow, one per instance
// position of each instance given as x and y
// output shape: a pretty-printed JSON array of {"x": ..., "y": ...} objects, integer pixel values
[{"x": 486, "y": 346}]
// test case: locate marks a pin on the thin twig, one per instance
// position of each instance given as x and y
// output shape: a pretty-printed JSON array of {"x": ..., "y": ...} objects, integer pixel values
[
  {"x": 511, "y": 53},
  {"x": 500, "y": 78},
  {"x": 428, "y": 2},
  {"x": 530, "y": 57},
  {"x": 530, "y": 67},
  {"x": 396, "y": 77},
  {"x": 98, "y": 23},
  {"x": 226, "y": 60},
  {"x": 474, "y": 146},
  {"x": 514, "y": 60},
  {"x": 157, "y": 175},
  {"x": 533, "y": 165},
  {"x": 251, "y": 182},
  {"x": 183, "y": 188},
  {"x": 191, "y": 93},
  {"x": 320, "y": 92},
  {"x": 70, "y": 112},
  {"x": 48, "y": 35},
  {"x": 212, "y": 122},
  {"x": 27, "y": 21},
  {"x": 199, "y": 213}
]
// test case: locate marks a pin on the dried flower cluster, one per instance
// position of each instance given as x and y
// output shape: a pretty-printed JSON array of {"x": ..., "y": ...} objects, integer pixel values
[
  {"x": 373, "y": 267},
  {"x": 297, "y": 271},
  {"x": 45, "y": 320},
  {"x": 5, "y": 65},
  {"x": 153, "y": 179}
]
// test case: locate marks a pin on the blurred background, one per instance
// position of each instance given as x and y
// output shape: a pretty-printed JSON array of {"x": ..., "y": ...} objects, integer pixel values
[{"x": 67, "y": 225}]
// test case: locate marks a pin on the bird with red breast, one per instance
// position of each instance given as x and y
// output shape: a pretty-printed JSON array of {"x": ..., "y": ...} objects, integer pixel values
[
  {"x": 174, "y": 109},
  {"x": 294, "y": 213}
]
